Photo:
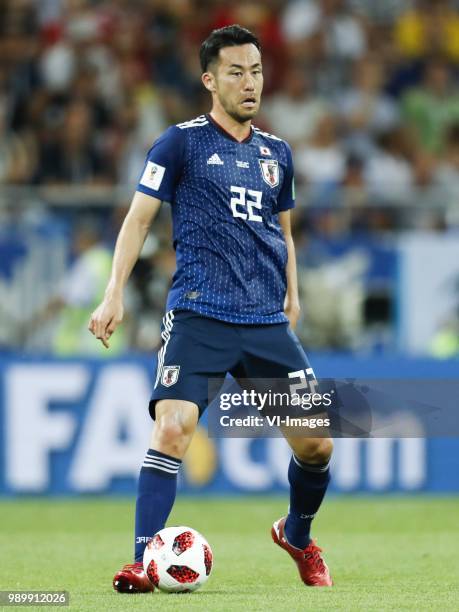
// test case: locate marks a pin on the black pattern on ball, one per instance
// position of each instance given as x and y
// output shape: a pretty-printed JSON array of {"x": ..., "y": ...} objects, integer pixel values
[
  {"x": 152, "y": 573},
  {"x": 183, "y": 542},
  {"x": 207, "y": 558},
  {"x": 182, "y": 573}
]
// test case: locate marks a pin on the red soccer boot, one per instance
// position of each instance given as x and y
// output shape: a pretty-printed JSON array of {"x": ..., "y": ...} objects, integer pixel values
[
  {"x": 132, "y": 579},
  {"x": 313, "y": 569}
]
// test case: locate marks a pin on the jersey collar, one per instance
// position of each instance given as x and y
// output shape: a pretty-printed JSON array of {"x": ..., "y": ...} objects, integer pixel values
[{"x": 222, "y": 131}]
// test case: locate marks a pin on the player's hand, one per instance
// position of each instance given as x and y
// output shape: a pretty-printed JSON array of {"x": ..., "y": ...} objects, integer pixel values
[
  {"x": 292, "y": 311},
  {"x": 105, "y": 319}
]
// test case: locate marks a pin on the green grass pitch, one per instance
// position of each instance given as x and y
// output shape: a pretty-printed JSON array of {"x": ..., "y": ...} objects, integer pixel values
[{"x": 385, "y": 553}]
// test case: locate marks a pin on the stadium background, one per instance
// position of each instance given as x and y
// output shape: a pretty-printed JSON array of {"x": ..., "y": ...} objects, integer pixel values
[{"x": 366, "y": 93}]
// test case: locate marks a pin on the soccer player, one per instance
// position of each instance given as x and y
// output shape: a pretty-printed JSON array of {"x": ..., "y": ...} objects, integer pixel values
[{"x": 234, "y": 299}]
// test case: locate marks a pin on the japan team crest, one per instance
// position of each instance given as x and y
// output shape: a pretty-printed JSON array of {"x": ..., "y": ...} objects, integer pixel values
[
  {"x": 270, "y": 171},
  {"x": 170, "y": 375}
]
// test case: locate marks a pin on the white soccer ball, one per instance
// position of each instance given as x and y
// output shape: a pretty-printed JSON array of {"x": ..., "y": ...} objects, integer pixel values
[{"x": 178, "y": 559}]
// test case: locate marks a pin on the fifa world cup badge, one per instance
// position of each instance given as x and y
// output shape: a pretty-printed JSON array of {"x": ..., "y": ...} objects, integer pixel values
[
  {"x": 152, "y": 176},
  {"x": 170, "y": 375},
  {"x": 270, "y": 171}
]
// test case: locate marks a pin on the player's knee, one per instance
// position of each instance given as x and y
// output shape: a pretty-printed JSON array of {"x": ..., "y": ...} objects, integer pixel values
[
  {"x": 315, "y": 450},
  {"x": 174, "y": 428},
  {"x": 169, "y": 431},
  {"x": 171, "y": 436}
]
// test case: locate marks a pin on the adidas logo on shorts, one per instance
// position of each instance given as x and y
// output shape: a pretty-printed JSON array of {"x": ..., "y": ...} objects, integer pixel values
[{"x": 215, "y": 160}]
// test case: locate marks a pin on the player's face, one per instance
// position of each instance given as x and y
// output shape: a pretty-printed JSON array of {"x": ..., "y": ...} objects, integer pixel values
[{"x": 238, "y": 81}]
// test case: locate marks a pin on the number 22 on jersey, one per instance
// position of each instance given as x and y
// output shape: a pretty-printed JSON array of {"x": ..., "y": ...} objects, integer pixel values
[{"x": 244, "y": 202}]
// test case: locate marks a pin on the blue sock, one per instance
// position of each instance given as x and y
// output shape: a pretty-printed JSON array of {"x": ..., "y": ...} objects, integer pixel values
[
  {"x": 308, "y": 484},
  {"x": 155, "y": 496}
]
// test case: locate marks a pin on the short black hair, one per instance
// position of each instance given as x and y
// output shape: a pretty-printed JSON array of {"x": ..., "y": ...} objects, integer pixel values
[{"x": 229, "y": 36}]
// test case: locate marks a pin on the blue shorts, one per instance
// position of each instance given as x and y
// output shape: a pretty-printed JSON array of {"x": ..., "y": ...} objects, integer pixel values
[{"x": 196, "y": 348}]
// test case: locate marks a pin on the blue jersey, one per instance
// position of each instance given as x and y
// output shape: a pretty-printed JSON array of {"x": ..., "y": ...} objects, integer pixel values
[{"x": 225, "y": 196}]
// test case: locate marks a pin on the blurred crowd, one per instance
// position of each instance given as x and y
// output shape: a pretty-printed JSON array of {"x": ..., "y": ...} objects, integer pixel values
[{"x": 365, "y": 92}]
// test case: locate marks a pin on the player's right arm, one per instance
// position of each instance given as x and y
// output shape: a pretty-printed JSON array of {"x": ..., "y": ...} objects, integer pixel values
[
  {"x": 109, "y": 314},
  {"x": 159, "y": 179}
]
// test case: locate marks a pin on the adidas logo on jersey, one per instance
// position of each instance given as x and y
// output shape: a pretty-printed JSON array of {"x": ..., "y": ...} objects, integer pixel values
[{"x": 215, "y": 160}]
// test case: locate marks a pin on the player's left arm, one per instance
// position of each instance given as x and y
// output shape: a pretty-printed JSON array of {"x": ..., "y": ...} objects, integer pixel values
[
  {"x": 292, "y": 301},
  {"x": 285, "y": 202}
]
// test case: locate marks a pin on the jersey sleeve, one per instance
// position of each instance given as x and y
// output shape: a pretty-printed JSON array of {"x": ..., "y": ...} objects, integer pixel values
[
  {"x": 286, "y": 198},
  {"x": 163, "y": 165}
]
